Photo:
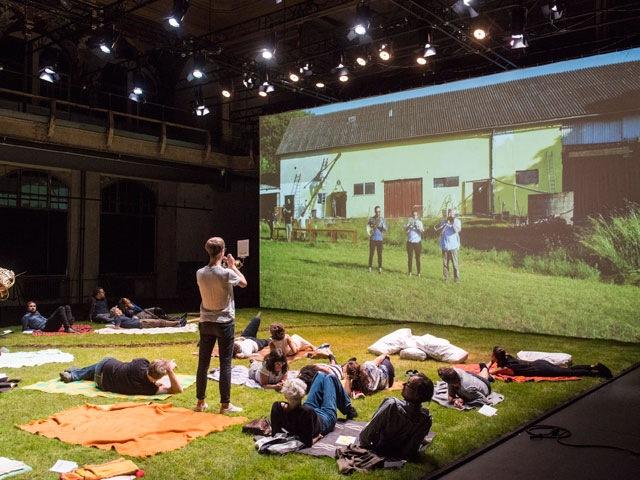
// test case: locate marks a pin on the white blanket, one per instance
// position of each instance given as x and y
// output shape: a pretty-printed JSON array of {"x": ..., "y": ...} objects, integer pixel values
[
  {"x": 240, "y": 376},
  {"x": 32, "y": 359},
  {"x": 9, "y": 466},
  {"x": 190, "y": 327},
  {"x": 560, "y": 359},
  {"x": 437, "y": 348}
]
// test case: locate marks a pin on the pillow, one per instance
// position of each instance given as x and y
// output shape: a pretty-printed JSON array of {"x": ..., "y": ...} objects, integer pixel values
[
  {"x": 392, "y": 343},
  {"x": 413, "y": 354},
  {"x": 559, "y": 359},
  {"x": 441, "y": 349}
]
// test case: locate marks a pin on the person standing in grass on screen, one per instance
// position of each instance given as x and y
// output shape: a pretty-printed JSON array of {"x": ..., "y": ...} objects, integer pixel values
[
  {"x": 217, "y": 320},
  {"x": 287, "y": 215},
  {"x": 377, "y": 226},
  {"x": 414, "y": 229},
  {"x": 449, "y": 229}
]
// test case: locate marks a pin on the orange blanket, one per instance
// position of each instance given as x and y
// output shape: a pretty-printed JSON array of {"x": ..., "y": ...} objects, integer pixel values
[
  {"x": 134, "y": 429},
  {"x": 507, "y": 375}
]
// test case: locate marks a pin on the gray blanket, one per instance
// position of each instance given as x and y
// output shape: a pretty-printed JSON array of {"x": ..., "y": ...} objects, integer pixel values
[{"x": 441, "y": 397}]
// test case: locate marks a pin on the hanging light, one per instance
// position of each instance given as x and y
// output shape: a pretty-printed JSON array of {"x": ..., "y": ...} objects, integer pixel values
[
  {"x": 226, "y": 93},
  {"x": 49, "y": 66},
  {"x": 421, "y": 60},
  {"x": 363, "y": 19},
  {"x": 361, "y": 60},
  {"x": 479, "y": 33},
  {"x": 197, "y": 71},
  {"x": 200, "y": 109},
  {"x": 294, "y": 77},
  {"x": 305, "y": 69},
  {"x": 343, "y": 73},
  {"x": 137, "y": 89},
  {"x": 553, "y": 10},
  {"x": 429, "y": 49},
  {"x": 178, "y": 12},
  {"x": 384, "y": 52},
  {"x": 320, "y": 85},
  {"x": 265, "y": 89},
  {"x": 518, "y": 23},
  {"x": 464, "y": 8}
]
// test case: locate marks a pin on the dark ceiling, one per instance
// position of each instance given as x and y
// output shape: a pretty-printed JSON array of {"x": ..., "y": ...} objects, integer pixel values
[{"x": 230, "y": 33}]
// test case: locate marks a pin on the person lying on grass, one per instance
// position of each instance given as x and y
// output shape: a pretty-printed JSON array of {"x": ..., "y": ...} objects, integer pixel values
[
  {"x": 137, "y": 377},
  {"x": 280, "y": 339},
  {"x": 368, "y": 378},
  {"x": 272, "y": 372},
  {"x": 130, "y": 309},
  {"x": 318, "y": 415},
  {"x": 119, "y": 320},
  {"x": 464, "y": 387},
  {"x": 399, "y": 427},
  {"x": 61, "y": 317},
  {"x": 543, "y": 368},
  {"x": 248, "y": 342}
]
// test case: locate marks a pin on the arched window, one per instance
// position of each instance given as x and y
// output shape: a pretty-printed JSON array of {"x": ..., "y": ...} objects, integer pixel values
[
  {"x": 127, "y": 228},
  {"x": 33, "y": 222}
]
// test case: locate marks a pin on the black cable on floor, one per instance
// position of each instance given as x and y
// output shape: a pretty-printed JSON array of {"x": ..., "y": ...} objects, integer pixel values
[{"x": 540, "y": 432}]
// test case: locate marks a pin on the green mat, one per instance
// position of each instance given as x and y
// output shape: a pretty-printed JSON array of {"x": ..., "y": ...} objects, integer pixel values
[{"x": 88, "y": 389}]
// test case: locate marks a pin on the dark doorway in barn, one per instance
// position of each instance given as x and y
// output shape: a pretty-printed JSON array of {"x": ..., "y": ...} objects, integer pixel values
[
  {"x": 481, "y": 197},
  {"x": 338, "y": 202}
]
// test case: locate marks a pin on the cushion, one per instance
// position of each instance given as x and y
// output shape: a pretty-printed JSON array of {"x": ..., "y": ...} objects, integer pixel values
[
  {"x": 413, "y": 354},
  {"x": 560, "y": 359},
  {"x": 392, "y": 343},
  {"x": 441, "y": 349}
]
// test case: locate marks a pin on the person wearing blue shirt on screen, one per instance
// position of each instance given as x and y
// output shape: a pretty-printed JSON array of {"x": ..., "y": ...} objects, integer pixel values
[
  {"x": 450, "y": 243},
  {"x": 376, "y": 226},
  {"x": 414, "y": 229},
  {"x": 61, "y": 317}
]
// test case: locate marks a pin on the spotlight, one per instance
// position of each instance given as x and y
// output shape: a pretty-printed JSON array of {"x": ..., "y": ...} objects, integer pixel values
[
  {"x": 553, "y": 10},
  {"x": 479, "y": 33},
  {"x": 197, "y": 71},
  {"x": 249, "y": 80},
  {"x": 421, "y": 60},
  {"x": 48, "y": 74},
  {"x": 201, "y": 110},
  {"x": 267, "y": 53},
  {"x": 361, "y": 60},
  {"x": 384, "y": 52},
  {"x": 178, "y": 13},
  {"x": 320, "y": 85},
  {"x": 294, "y": 77},
  {"x": 518, "y": 22},
  {"x": 305, "y": 69},
  {"x": 265, "y": 89},
  {"x": 362, "y": 22},
  {"x": 464, "y": 8},
  {"x": 226, "y": 93},
  {"x": 342, "y": 71},
  {"x": 105, "y": 48},
  {"x": 137, "y": 90},
  {"x": 429, "y": 48}
]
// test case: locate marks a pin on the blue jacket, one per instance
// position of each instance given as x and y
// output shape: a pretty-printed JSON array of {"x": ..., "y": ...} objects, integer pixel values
[
  {"x": 450, "y": 236},
  {"x": 33, "y": 321}
]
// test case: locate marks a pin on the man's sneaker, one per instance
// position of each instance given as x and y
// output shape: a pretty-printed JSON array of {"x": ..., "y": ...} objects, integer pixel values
[
  {"x": 324, "y": 345},
  {"x": 201, "y": 407},
  {"x": 603, "y": 371},
  {"x": 70, "y": 330},
  {"x": 231, "y": 408},
  {"x": 369, "y": 269},
  {"x": 66, "y": 377},
  {"x": 183, "y": 320},
  {"x": 380, "y": 270},
  {"x": 352, "y": 413}
]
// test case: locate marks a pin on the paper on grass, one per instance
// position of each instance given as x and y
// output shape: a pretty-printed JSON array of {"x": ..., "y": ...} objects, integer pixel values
[
  {"x": 63, "y": 466},
  {"x": 345, "y": 440},
  {"x": 487, "y": 411}
]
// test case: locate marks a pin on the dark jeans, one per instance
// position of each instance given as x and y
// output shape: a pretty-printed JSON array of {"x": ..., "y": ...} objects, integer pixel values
[
  {"x": 326, "y": 396},
  {"x": 61, "y": 317},
  {"x": 414, "y": 247},
  {"x": 92, "y": 372},
  {"x": 377, "y": 246},
  {"x": 209, "y": 333},
  {"x": 251, "y": 332},
  {"x": 391, "y": 371},
  {"x": 542, "y": 368}
]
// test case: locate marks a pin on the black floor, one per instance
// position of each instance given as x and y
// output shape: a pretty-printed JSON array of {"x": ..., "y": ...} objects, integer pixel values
[{"x": 609, "y": 415}]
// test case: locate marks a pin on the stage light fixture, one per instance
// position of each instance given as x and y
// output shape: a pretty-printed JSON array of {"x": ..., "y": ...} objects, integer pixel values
[
  {"x": 518, "y": 23},
  {"x": 48, "y": 71},
  {"x": 137, "y": 89},
  {"x": 249, "y": 80},
  {"x": 198, "y": 69},
  {"x": 201, "y": 111},
  {"x": 49, "y": 74},
  {"x": 361, "y": 60},
  {"x": 553, "y": 10},
  {"x": 226, "y": 93},
  {"x": 294, "y": 77},
  {"x": 200, "y": 108},
  {"x": 421, "y": 60},
  {"x": 464, "y": 8},
  {"x": 265, "y": 89},
  {"x": 178, "y": 12},
  {"x": 479, "y": 33},
  {"x": 384, "y": 52},
  {"x": 363, "y": 19},
  {"x": 305, "y": 69},
  {"x": 320, "y": 85}
]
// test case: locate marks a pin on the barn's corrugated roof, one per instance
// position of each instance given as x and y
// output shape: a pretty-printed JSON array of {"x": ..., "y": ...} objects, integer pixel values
[{"x": 579, "y": 93}]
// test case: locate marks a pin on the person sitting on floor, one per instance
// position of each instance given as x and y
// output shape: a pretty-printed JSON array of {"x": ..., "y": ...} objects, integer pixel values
[
  {"x": 130, "y": 309},
  {"x": 399, "y": 427},
  {"x": 368, "y": 378},
  {"x": 247, "y": 343},
  {"x": 543, "y": 368},
  {"x": 318, "y": 415},
  {"x": 271, "y": 372},
  {"x": 118, "y": 320},
  {"x": 61, "y": 317},
  {"x": 464, "y": 387},
  {"x": 280, "y": 339},
  {"x": 137, "y": 377},
  {"x": 99, "y": 309}
]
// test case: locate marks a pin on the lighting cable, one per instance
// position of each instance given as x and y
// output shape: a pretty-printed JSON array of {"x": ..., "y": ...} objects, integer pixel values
[{"x": 541, "y": 432}]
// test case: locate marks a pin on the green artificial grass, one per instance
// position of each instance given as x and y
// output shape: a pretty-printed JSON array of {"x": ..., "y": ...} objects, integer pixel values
[
  {"x": 333, "y": 278},
  {"x": 231, "y": 455}
]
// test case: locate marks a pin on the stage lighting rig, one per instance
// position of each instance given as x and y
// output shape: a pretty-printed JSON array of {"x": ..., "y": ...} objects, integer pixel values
[
  {"x": 518, "y": 23},
  {"x": 464, "y": 8},
  {"x": 178, "y": 12},
  {"x": 384, "y": 52},
  {"x": 197, "y": 71}
]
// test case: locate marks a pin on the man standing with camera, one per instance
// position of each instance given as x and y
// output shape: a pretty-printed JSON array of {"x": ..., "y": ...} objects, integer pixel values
[
  {"x": 450, "y": 244},
  {"x": 414, "y": 229},
  {"x": 217, "y": 320},
  {"x": 376, "y": 227}
]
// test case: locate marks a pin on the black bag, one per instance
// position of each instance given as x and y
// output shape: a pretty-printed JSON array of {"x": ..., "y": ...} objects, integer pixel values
[{"x": 261, "y": 426}]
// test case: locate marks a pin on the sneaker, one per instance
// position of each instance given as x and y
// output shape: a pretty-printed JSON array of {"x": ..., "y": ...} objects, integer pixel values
[
  {"x": 324, "y": 345},
  {"x": 380, "y": 270},
  {"x": 352, "y": 413},
  {"x": 183, "y": 321},
  {"x": 409, "y": 274},
  {"x": 369, "y": 269},
  {"x": 70, "y": 330},
  {"x": 66, "y": 377},
  {"x": 419, "y": 275},
  {"x": 231, "y": 408},
  {"x": 201, "y": 407},
  {"x": 603, "y": 370}
]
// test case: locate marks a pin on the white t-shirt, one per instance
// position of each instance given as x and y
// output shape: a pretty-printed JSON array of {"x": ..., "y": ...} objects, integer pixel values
[
  {"x": 216, "y": 291},
  {"x": 258, "y": 368},
  {"x": 247, "y": 347}
]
